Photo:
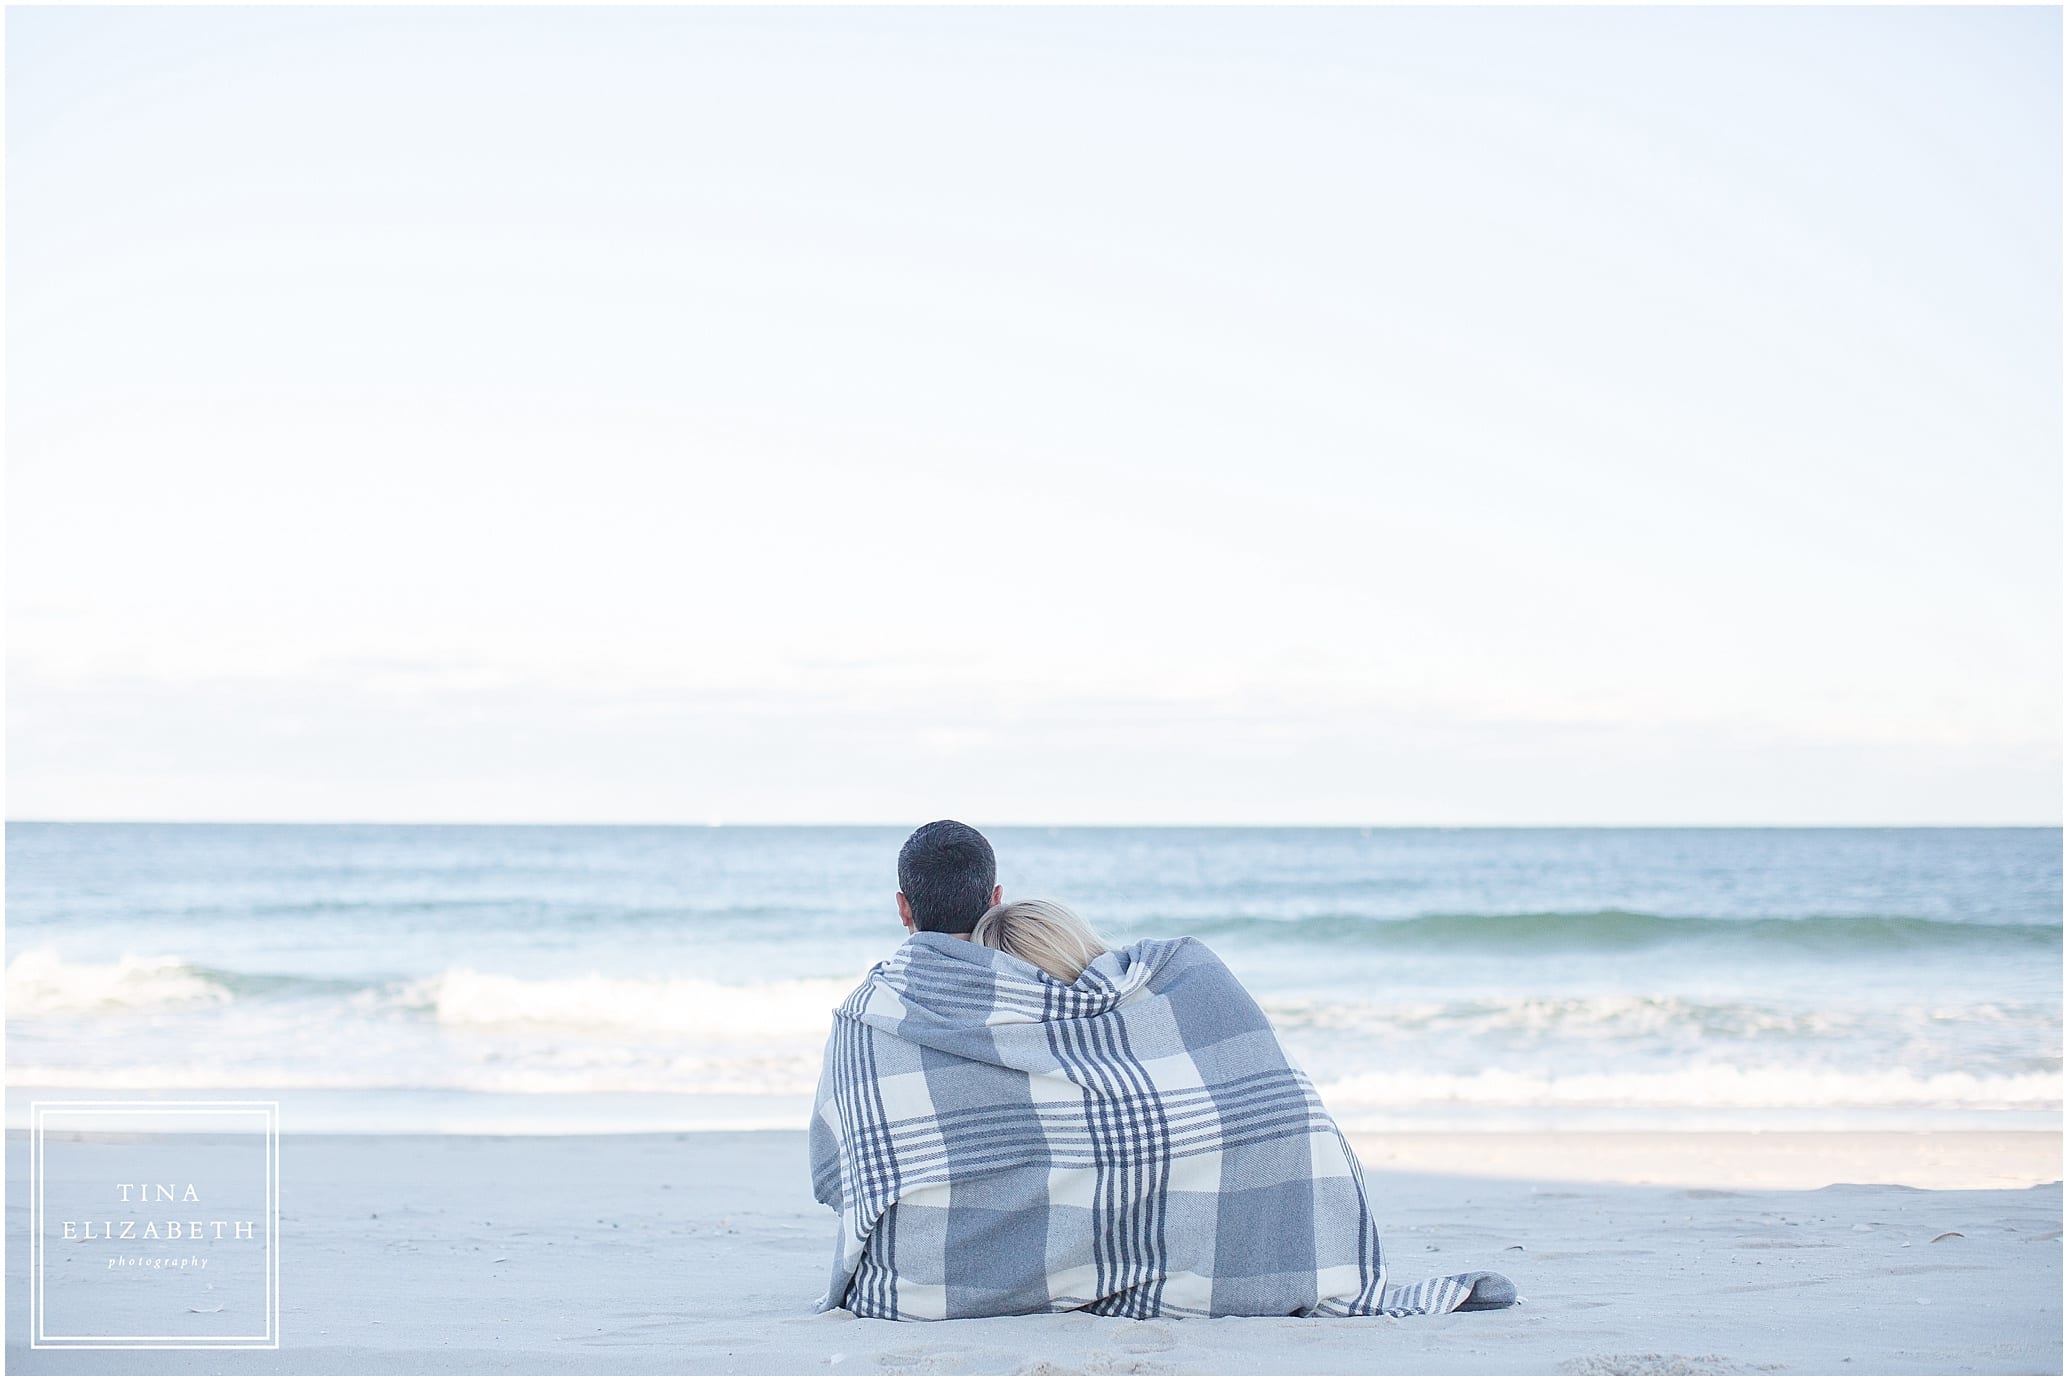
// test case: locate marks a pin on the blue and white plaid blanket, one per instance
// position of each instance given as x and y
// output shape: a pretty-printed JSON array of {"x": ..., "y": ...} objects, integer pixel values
[{"x": 1135, "y": 1143}]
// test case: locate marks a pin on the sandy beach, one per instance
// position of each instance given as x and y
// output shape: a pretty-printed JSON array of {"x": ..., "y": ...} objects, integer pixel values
[{"x": 1635, "y": 1253}]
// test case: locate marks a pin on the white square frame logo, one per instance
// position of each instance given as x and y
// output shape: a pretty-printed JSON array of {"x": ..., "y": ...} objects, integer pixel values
[{"x": 268, "y": 1111}]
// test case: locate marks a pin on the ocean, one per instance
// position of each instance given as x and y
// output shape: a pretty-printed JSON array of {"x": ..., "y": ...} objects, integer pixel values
[{"x": 547, "y": 978}]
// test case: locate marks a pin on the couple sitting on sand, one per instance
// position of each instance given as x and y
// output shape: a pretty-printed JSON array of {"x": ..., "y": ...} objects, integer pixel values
[{"x": 1015, "y": 1119}]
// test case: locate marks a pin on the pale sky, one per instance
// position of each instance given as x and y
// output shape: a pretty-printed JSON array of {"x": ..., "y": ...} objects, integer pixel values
[{"x": 1382, "y": 416}]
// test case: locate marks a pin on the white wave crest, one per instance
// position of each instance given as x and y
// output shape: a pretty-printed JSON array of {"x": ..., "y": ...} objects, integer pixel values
[
  {"x": 676, "y": 1007},
  {"x": 790, "y": 1078},
  {"x": 1704, "y": 1086},
  {"x": 41, "y": 983}
]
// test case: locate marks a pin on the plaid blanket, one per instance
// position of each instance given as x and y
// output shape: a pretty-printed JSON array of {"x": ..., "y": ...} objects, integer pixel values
[{"x": 1135, "y": 1144}]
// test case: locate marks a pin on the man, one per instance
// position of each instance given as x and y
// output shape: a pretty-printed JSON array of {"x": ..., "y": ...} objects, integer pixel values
[
  {"x": 947, "y": 879},
  {"x": 1132, "y": 1143}
]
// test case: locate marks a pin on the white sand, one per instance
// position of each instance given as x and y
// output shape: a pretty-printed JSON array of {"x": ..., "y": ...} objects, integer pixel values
[{"x": 1714, "y": 1252}]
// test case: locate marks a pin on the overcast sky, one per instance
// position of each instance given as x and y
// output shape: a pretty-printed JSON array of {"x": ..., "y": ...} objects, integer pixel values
[{"x": 1375, "y": 416}]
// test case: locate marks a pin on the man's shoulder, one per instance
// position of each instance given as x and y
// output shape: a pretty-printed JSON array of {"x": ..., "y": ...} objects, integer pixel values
[{"x": 857, "y": 1000}]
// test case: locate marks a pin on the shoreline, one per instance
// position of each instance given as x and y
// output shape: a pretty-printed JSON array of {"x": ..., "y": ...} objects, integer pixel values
[
  {"x": 702, "y": 1253},
  {"x": 465, "y": 1112},
  {"x": 1739, "y": 1160}
]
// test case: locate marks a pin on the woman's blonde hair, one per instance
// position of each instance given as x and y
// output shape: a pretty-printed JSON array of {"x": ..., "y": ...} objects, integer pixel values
[{"x": 1046, "y": 934}]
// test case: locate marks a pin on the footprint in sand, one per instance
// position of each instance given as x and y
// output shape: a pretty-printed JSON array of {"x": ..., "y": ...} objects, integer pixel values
[
  {"x": 1146, "y": 1337},
  {"x": 918, "y": 1363},
  {"x": 1659, "y": 1364},
  {"x": 1099, "y": 1364}
]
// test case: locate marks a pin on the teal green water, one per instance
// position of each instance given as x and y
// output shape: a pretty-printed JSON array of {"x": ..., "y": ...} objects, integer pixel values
[{"x": 677, "y": 976}]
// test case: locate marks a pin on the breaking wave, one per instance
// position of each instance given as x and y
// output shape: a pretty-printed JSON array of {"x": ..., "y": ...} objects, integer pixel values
[{"x": 39, "y": 983}]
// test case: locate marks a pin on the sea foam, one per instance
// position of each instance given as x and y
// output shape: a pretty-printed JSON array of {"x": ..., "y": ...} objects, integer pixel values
[
  {"x": 680, "y": 1006},
  {"x": 1703, "y": 1086}
]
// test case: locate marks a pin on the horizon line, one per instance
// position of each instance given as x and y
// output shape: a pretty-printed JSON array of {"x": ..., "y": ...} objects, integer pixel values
[{"x": 1044, "y": 825}]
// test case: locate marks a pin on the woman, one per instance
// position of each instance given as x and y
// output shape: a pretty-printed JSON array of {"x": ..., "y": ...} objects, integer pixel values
[{"x": 1047, "y": 934}]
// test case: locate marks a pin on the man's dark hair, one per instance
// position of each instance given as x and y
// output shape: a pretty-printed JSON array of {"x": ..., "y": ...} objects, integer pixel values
[{"x": 947, "y": 872}]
